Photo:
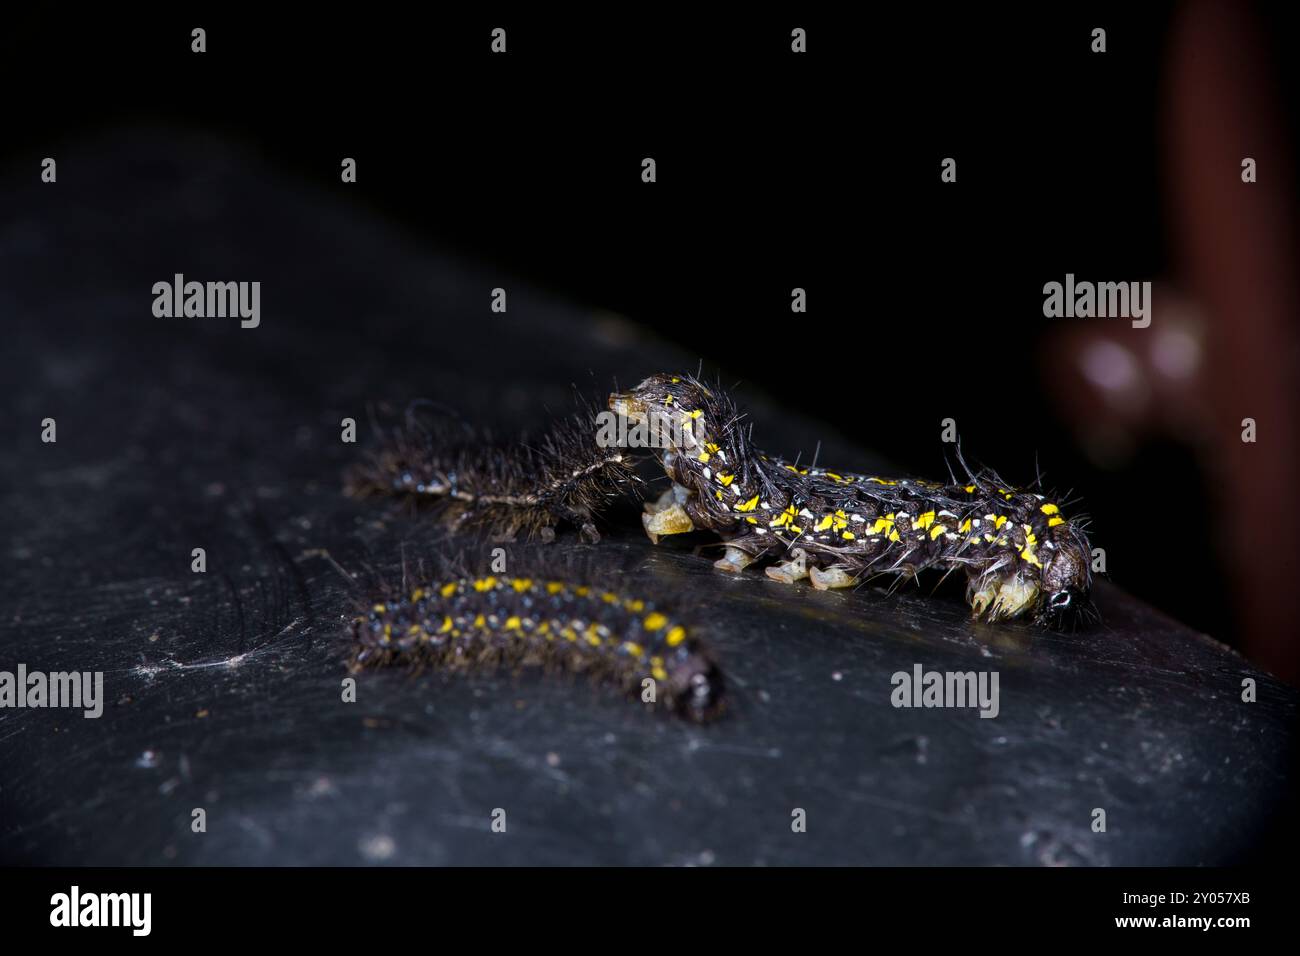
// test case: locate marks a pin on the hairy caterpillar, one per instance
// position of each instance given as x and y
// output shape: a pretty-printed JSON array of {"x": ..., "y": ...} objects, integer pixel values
[
  {"x": 491, "y": 621},
  {"x": 510, "y": 489},
  {"x": 1021, "y": 555}
]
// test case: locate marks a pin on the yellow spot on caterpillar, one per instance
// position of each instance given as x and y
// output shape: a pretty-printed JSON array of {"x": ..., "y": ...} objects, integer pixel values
[
  {"x": 937, "y": 530},
  {"x": 784, "y": 518},
  {"x": 413, "y": 629},
  {"x": 718, "y": 495},
  {"x": 593, "y": 639},
  {"x": 582, "y": 590},
  {"x": 609, "y": 597},
  {"x": 964, "y": 526},
  {"x": 847, "y": 536},
  {"x": 999, "y": 521},
  {"x": 675, "y": 636},
  {"x": 654, "y": 622},
  {"x": 446, "y": 625},
  {"x": 725, "y": 480},
  {"x": 882, "y": 524},
  {"x": 704, "y": 457},
  {"x": 633, "y": 648},
  {"x": 893, "y": 536},
  {"x": 417, "y": 595},
  {"x": 749, "y": 505},
  {"x": 554, "y": 587},
  {"x": 676, "y": 379},
  {"x": 696, "y": 414},
  {"x": 636, "y": 605},
  {"x": 521, "y": 584},
  {"x": 447, "y": 590},
  {"x": 752, "y": 520},
  {"x": 480, "y": 621},
  {"x": 668, "y": 400},
  {"x": 923, "y": 521},
  {"x": 513, "y": 624},
  {"x": 970, "y": 489},
  {"x": 796, "y": 529},
  {"x": 658, "y": 673},
  {"x": 1049, "y": 509},
  {"x": 1053, "y": 521},
  {"x": 823, "y": 524},
  {"x": 1027, "y": 552},
  {"x": 711, "y": 447},
  {"x": 485, "y": 584},
  {"x": 380, "y": 608}
]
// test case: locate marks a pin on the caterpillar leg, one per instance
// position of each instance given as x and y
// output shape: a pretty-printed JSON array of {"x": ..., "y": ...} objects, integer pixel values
[
  {"x": 1002, "y": 598},
  {"x": 671, "y": 520},
  {"x": 735, "y": 560},
  {"x": 796, "y": 569},
  {"x": 833, "y": 577}
]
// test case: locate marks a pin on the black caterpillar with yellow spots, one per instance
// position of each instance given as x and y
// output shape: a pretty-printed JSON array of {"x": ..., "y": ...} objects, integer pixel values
[
  {"x": 523, "y": 488},
  {"x": 1021, "y": 555},
  {"x": 560, "y": 625}
]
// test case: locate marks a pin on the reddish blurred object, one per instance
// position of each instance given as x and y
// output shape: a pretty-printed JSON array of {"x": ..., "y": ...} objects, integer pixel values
[
  {"x": 1225, "y": 344},
  {"x": 1125, "y": 385}
]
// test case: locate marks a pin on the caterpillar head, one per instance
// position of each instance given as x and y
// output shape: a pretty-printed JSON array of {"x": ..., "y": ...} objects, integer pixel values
[
  {"x": 678, "y": 412},
  {"x": 1066, "y": 576},
  {"x": 698, "y": 692}
]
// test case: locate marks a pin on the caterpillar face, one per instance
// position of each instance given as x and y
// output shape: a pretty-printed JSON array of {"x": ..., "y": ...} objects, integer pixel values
[
  {"x": 1067, "y": 576},
  {"x": 1021, "y": 555}
]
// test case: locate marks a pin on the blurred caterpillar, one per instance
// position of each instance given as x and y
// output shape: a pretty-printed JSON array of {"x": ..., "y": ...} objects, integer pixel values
[
  {"x": 492, "y": 621},
  {"x": 524, "y": 488},
  {"x": 1021, "y": 555}
]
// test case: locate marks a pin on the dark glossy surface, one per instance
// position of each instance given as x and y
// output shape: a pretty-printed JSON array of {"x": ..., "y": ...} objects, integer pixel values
[{"x": 223, "y": 689}]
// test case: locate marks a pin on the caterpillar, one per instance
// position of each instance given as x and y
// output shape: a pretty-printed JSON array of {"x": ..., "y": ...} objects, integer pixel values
[
  {"x": 1022, "y": 556},
  {"x": 493, "y": 621},
  {"x": 522, "y": 488}
]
